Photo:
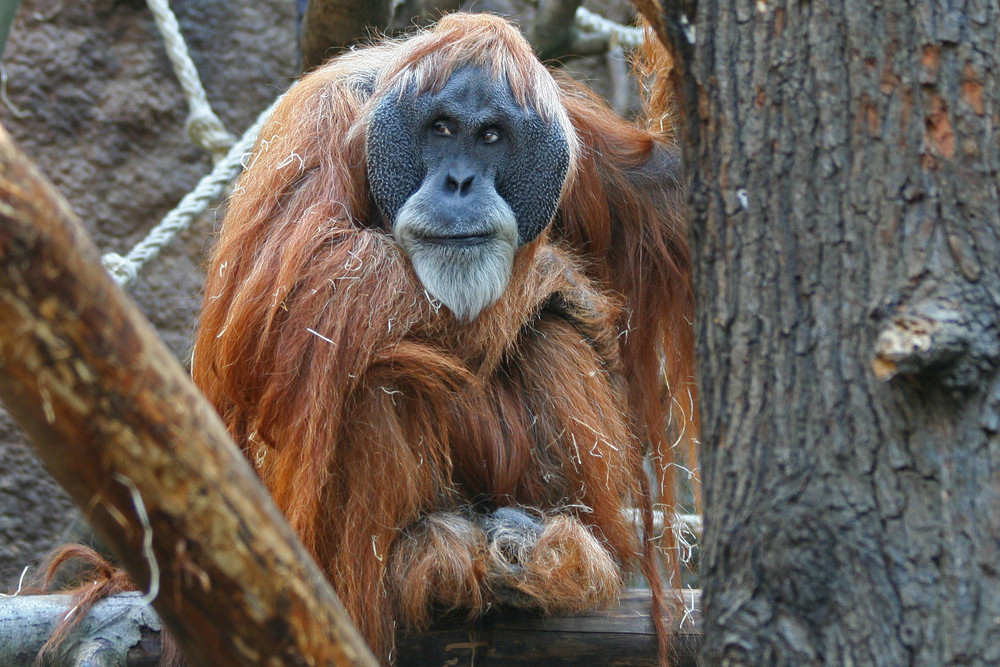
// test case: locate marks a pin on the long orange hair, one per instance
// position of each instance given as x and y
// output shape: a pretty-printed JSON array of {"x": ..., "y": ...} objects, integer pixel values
[{"x": 367, "y": 408}]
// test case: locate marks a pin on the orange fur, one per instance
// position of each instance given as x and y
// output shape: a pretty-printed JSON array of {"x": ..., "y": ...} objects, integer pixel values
[
  {"x": 97, "y": 579},
  {"x": 381, "y": 424}
]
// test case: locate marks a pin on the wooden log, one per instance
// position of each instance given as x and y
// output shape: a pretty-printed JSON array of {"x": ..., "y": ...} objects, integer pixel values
[
  {"x": 619, "y": 636},
  {"x": 121, "y": 426},
  {"x": 128, "y": 632}
]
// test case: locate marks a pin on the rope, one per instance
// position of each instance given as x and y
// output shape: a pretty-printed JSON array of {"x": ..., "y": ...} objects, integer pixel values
[
  {"x": 588, "y": 21},
  {"x": 203, "y": 126},
  {"x": 207, "y": 131},
  {"x": 125, "y": 269}
]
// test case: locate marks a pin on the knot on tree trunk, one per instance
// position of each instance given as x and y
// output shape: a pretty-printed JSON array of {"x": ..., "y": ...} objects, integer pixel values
[{"x": 950, "y": 339}]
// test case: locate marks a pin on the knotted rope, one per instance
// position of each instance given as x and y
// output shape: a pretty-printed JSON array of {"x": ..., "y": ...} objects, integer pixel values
[
  {"x": 203, "y": 126},
  {"x": 125, "y": 269}
]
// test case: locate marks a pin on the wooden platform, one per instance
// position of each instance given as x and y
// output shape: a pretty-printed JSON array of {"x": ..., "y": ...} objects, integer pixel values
[{"x": 618, "y": 636}]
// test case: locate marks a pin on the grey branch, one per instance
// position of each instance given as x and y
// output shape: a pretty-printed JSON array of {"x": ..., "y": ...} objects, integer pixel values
[
  {"x": 564, "y": 29},
  {"x": 115, "y": 632},
  {"x": 554, "y": 29}
]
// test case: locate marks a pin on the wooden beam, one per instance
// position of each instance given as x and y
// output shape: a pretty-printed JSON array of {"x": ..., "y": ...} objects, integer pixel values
[
  {"x": 622, "y": 635},
  {"x": 121, "y": 426}
]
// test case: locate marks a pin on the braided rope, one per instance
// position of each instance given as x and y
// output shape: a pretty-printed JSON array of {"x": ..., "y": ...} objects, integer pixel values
[
  {"x": 588, "y": 21},
  {"x": 208, "y": 132},
  {"x": 203, "y": 126},
  {"x": 125, "y": 269}
]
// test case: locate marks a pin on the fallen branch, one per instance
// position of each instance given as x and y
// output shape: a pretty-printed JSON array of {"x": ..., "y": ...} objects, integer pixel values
[
  {"x": 119, "y": 630},
  {"x": 120, "y": 425}
]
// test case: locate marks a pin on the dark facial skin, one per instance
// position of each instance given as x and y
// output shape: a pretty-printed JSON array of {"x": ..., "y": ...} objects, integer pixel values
[
  {"x": 465, "y": 144},
  {"x": 526, "y": 162},
  {"x": 465, "y": 176}
]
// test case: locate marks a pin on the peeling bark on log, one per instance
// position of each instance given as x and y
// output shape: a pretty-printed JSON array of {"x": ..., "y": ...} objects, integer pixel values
[
  {"x": 121, "y": 426},
  {"x": 120, "y": 630},
  {"x": 125, "y": 630}
]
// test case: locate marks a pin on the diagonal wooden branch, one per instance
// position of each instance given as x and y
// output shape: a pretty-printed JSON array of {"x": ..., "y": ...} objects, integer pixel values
[{"x": 123, "y": 429}]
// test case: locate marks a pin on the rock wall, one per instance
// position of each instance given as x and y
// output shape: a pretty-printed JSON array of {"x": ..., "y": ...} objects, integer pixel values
[{"x": 93, "y": 99}]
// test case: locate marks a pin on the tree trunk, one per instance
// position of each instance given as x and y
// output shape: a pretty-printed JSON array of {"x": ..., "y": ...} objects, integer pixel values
[
  {"x": 842, "y": 166},
  {"x": 330, "y": 26}
]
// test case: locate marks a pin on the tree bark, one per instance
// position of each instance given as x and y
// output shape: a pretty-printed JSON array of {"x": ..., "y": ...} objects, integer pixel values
[
  {"x": 842, "y": 161},
  {"x": 121, "y": 426},
  {"x": 330, "y": 26},
  {"x": 411, "y": 13}
]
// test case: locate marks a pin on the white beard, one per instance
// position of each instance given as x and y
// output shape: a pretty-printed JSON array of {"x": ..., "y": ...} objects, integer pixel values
[{"x": 465, "y": 277}]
